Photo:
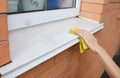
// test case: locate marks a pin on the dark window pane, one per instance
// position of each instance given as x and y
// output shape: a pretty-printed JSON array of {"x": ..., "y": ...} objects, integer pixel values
[
  {"x": 52, "y": 4},
  {"x": 59, "y": 4}
]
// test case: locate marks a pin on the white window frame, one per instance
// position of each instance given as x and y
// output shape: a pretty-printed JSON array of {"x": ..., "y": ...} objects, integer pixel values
[{"x": 16, "y": 21}]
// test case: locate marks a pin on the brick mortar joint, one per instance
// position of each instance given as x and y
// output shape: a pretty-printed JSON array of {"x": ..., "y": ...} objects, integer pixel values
[{"x": 93, "y": 3}]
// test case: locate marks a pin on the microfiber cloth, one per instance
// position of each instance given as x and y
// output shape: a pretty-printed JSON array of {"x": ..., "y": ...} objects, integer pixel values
[{"x": 82, "y": 45}]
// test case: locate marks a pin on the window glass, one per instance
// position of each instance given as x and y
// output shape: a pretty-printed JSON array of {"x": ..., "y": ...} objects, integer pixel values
[
  {"x": 17, "y": 6},
  {"x": 66, "y": 3},
  {"x": 52, "y": 4},
  {"x": 25, "y": 5},
  {"x": 59, "y": 4}
]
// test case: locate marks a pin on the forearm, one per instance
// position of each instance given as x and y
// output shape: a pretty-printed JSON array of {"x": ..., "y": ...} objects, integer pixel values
[{"x": 107, "y": 62}]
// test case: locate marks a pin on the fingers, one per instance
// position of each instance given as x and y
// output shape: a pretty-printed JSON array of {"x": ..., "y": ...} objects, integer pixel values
[
  {"x": 85, "y": 34},
  {"x": 82, "y": 32},
  {"x": 78, "y": 32}
]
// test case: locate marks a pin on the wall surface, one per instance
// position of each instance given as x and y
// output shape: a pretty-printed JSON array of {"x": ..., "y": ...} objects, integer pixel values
[
  {"x": 70, "y": 63},
  {"x": 4, "y": 42},
  {"x": 105, "y": 11}
]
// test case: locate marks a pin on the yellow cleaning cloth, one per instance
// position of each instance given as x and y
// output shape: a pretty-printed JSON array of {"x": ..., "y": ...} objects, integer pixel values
[{"x": 82, "y": 45}]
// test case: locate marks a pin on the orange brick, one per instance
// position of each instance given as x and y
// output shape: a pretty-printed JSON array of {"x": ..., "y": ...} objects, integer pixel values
[
  {"x": 77, "y": 47},
  {"x": 86, "y": 61},
  {"x": 107, "y": 1},
  {"x": 3, "y": 28},
  {"x": 73, "y": 60},
  {"x": 3, "y": 6},
  {"x": 64, "y": 54},
  {"x": 4, "y": 53},
  {"x": 92, "y": 7},
  {"x": 96, "y": 70},
  {"x": 73, "y": 73},
  {"x": 38, "y": 69},
  {"x": 115, "y": 1},
  {"x": 112, "y": 6},
  {"x": 90, "y": 15},
  {"x": 118, "y": 16},
  {"x": 54, "y": 70},
  {"x": 72, "y": 66},
  {"x": 63, "y": 73},
  {"x": 112, "y": 13}
]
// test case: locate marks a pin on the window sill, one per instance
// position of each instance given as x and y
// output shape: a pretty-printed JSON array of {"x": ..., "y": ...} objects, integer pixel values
[{"x": 34, "y": 45}]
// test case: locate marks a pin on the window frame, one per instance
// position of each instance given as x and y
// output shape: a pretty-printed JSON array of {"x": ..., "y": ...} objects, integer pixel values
[{"x": 21, "y": 20}]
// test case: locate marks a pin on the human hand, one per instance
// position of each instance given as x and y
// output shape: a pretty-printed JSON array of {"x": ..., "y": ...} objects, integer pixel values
[
  {"x": 89, "y": 38},
  {"x": 112, "y": 69}
]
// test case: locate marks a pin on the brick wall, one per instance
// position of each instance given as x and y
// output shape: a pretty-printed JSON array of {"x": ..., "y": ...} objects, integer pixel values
[
  {"x": 92, "y": 9},
  {"x": 71, "y": 64},
  {"x": 105, "y": 11}
]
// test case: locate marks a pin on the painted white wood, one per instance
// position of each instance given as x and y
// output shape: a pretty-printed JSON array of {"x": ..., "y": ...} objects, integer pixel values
[
  {"x": 16, "y": 21},
  {"x": 31, "y": 46}
]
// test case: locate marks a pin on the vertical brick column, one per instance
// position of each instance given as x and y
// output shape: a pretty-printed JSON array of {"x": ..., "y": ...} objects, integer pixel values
[
  {"x": 3, "y": 6},
  {"x": 107, "y": 12},
  {"x": 4, "y": 44},
  {"x": 92, "y": 9}
]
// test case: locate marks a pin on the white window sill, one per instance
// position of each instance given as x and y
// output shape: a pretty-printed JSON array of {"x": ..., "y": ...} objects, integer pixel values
[{"x": 34, "y": 45}]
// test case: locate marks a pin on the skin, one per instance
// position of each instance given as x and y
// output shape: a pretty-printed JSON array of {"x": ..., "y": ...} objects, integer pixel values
[{"x": 111, "y": 68}]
